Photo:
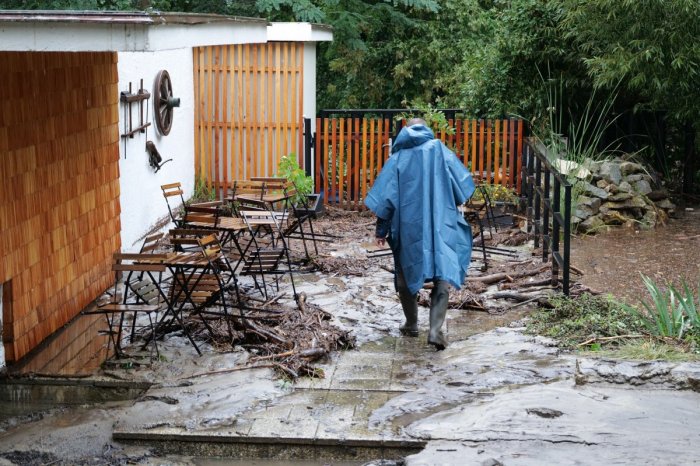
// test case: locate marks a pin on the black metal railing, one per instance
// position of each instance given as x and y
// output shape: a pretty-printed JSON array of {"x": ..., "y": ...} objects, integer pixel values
[{"x": 547, "y": 219}]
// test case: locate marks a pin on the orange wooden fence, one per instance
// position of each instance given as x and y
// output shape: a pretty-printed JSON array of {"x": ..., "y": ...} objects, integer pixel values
[
  {"x": 350, "y": 152},
  {"x": 248, "y": 109}
]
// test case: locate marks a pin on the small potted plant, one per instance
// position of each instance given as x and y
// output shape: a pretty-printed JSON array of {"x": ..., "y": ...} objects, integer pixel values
[{"x": 306, "y": 202}]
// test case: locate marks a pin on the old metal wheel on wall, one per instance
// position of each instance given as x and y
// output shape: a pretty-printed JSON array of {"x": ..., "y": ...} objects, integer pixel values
[{"x": 164, "y": 102}]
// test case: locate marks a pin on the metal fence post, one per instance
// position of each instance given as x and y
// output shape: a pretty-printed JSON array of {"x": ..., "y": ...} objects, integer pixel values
[{"x": 308, "y": 144}]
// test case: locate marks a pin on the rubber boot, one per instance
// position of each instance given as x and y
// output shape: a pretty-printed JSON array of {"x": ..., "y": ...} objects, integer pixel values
[
  {"x": 439, "y": 299},
  {"x": 409, "y": 306},
  {"x": 410, "y": 310}
]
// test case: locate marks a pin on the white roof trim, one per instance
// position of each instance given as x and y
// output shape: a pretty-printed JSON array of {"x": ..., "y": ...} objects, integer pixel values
[
  {"x": 299, "y": 32},
  {"x": 101, "y": 32}
]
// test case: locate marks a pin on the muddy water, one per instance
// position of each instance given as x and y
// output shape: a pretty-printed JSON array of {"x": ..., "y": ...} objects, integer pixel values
[{"x": 613, "y": 261}]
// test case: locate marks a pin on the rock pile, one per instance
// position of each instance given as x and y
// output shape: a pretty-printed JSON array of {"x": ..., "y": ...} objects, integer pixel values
[{"x": 616, "y": 192}]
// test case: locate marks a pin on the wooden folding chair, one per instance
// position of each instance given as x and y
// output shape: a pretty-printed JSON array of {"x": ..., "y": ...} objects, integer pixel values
[
  {"x": 295, "y": 212},
  {"x": 265, "y": 255},
  {"x": 202, "y": 283},
  {"x": 142, "y": 295}
]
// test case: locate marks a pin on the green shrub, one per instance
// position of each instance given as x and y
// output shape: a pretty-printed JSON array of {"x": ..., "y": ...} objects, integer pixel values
[{"x": 289, "y": 169}]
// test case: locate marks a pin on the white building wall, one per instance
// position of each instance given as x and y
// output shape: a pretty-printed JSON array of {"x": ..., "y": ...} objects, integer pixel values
[
  {"x": 142, "y": 202},
  {"x": 310, "y": 82}
]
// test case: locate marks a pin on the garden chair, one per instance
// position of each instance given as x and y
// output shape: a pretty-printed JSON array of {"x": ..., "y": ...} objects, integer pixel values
[
  {"x": 136, "y": 275},
  {"x": 265, "y": 254},
  {"x": 297, "y": 218}
]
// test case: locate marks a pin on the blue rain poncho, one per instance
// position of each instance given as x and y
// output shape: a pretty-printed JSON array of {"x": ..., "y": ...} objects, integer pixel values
[{"x": 418, "y": 191}]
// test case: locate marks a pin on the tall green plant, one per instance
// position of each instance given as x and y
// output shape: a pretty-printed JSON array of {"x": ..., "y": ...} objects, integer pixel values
[
  {"x": 670, "y": 312},
  {"x": 289, "y": 169},
  {"x": 575, "y": 135},
  {"x": 433, "y": 117}
]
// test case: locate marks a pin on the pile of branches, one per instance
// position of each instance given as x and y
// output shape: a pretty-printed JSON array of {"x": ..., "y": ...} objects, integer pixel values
[
  {"x": 459, "y": 299},
  {"x": 290, "y": 340}
]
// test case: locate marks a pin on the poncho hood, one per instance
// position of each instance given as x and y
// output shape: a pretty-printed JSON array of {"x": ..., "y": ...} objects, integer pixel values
[
  {"x": 412, "y": 136},
  {"x": 418, "y": 191}
]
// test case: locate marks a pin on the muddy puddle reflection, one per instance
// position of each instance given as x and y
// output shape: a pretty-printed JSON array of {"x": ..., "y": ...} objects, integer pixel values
[{"x": 613, "y": 261}]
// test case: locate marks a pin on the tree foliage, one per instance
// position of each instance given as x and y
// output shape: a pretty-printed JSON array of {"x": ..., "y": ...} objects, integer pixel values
[{"x": 494, "y": 57}]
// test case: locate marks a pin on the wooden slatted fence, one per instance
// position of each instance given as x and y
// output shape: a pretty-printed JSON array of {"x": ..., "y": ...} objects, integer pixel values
[
  {"x": 248, "y": 110},
  {"x": 350, "y": 152}
]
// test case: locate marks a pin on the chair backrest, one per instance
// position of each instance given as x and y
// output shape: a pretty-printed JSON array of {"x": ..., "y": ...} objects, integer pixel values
[
  {"x": 151, "y": 243},
  {"x": 138, "y": 272},
  {"x": 169, "y": 191},
  {"x": 248, "y": 188},
  {"x": 218, "y": 262},
  {"x": 184, "y": 238},
  {"x": 204, "y": 216}
]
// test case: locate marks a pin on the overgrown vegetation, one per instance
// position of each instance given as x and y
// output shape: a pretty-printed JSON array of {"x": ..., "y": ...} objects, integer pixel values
[
  {"x": 484, "y": 56},
  {"x": 435, "y": 118},
  {"x": 202, "y": 191},
  {"x": 574, "y": 321},
  {"x": 667, "y": 326}
]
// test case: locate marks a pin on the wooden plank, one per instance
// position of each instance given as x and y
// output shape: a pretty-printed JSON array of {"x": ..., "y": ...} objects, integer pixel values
[
  {"x": 285, "y": 100},
  {"x": 317, "y": 158},
  {"x": 496, "y": 152},
  {"x": 349, "y": 161},
  {"x": 513, "y": 175},
  {"x": 341, "y": 161},
  {"x": 230, "y": 104},
  {"x": 372, "y": 158},
  {"x": 325, "y": 162},
  {"x": 504, "y": 153},
  {"x": 196, "y": 51},
  {"x": 519, "y": 153},
  {"x": 480, "y": 152},
  {"x": 489, "y": 151},
  {"x": 278, "y": 103},
  {"x": 216, "y": 70},
  {"x": 356, "y": 166},
  {"x": 240, "y": 156},
  {"x": 247, "y": 115},
  {"x": 458, "y": 138},
  {"x": 270, "y": 105},
  {"x": 473, "y": 143},
  {"x": 257, "y": 165},
  {"x": 223, "y": 73},
  {"x": 260, "y": 95},
  {"x": 209, "y": 116},
  {"x": 335, "y": 160}
]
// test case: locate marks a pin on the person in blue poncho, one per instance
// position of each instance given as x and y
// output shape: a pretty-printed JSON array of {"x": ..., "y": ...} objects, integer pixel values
[{"x": 415, "y": 198}]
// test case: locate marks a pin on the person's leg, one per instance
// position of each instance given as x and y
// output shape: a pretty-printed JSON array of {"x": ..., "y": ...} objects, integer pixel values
[
  {"x": 408, "y": 303},
  {"x": 439, "y": 300}
]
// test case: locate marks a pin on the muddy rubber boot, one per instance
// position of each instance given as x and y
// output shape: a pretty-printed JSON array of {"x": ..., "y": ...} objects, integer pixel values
[
  {"x": 409, "y": 306},
  {"x": 439, "y": 299},
  {"x": 410, "y": 310}
]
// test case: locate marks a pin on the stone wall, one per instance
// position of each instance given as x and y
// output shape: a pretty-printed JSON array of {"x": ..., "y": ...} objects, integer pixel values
[{"x": 618, "y": 192}]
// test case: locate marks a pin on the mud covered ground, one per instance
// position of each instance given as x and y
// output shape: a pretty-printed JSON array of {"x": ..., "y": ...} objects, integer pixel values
[
  {"x": 495, "y": 396},
  {"x": 613, "y": 261}
]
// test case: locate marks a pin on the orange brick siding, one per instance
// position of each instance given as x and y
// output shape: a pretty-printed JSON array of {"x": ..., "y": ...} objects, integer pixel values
[{"x": 59, "y": 188}]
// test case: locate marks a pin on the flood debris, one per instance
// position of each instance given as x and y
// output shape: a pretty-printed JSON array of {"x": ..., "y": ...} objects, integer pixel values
[{"x": 285, "y": 338}]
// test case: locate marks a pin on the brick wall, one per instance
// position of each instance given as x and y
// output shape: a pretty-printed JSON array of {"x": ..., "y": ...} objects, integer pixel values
[{"x": 59, "y": 189}]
